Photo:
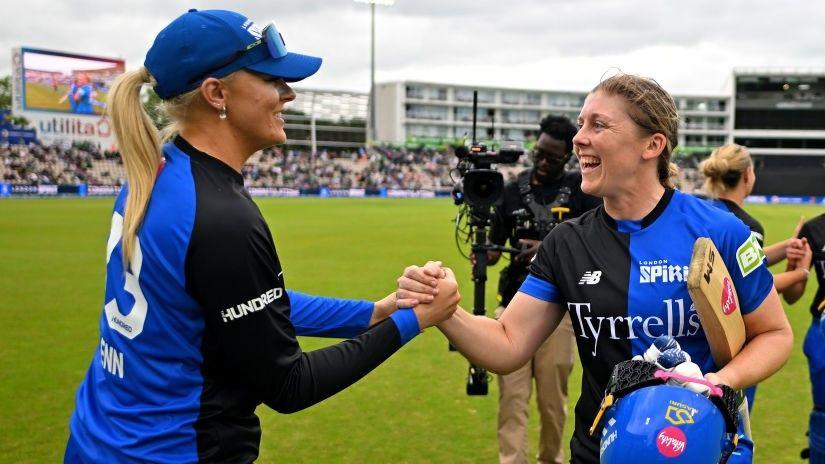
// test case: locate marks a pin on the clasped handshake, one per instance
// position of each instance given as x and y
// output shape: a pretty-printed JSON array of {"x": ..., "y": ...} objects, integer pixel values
[{"x": 431, "y": 291}]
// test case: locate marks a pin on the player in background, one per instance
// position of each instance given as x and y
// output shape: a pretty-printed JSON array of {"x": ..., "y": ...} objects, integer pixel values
[
  {"x": 524, "y": 218},
  {"x": 69, "y": 96},
  {"x": 83, "y": 95},
  {"x": 640, "y": 242},
  {"x": 813, "y": 232},
  {"x": 729, "y": 179},
  {"x": 198, "y": 328}
]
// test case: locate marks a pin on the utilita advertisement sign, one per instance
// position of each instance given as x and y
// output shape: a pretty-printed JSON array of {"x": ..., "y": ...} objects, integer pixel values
[{"x": 63, "y": 95}]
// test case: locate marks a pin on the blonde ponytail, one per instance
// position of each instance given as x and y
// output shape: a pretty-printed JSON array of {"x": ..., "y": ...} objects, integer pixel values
[
  {"x": 723, "y": 168},
  {"x": 139, "y": 144}
]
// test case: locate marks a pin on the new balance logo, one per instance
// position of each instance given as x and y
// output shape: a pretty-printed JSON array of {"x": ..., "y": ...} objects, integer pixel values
[{"x": 591, "y": 278}]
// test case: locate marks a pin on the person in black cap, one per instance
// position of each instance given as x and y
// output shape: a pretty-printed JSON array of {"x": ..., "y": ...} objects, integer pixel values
[{"x": 197, "y": 327}]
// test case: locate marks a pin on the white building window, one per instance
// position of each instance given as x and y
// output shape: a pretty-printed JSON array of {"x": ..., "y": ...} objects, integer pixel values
[
  {"x": 418, "y": 130},
  {"x": 520, "y": 116},
  {"x": 464, "y": 95},
  {"x": 513, "y": 98},
  {"x": 438, "y": 113},
  {"x": 566, "y": 101}
]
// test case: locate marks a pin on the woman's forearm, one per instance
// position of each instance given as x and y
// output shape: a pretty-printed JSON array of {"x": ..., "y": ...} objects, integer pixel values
[
  {"x": 483, "y": 341},
  {"x": 503, "y": 345},
  {"x": 760, "y": 358},
  {"x": 794, "y": 292},
  {"x": 785, "y": 280},
  {"x": 776, "y": 251},
  {"x": 768, "y": 346}
]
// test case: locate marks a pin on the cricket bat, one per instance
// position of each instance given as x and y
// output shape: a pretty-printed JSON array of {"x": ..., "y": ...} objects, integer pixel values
[{"x": 714, "y": 296}]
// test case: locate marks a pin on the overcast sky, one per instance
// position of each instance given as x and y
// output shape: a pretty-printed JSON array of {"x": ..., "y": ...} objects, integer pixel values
[{"x": 690, "y": 47}]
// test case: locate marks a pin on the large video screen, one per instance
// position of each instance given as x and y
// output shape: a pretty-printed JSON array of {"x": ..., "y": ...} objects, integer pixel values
[{"x": 64, "y": 82}]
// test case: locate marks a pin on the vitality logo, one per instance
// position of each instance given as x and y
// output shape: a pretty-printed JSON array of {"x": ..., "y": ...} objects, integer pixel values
[{"x": 671, "y": 442}]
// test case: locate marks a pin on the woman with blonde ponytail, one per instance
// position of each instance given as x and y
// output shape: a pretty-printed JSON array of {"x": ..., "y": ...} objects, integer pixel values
[
  {"x": 620, "y": 272},
  {"x": 729, "y": 179},
  {"x": 197, "y": 327},
  {"x": 140, "y": 150}
]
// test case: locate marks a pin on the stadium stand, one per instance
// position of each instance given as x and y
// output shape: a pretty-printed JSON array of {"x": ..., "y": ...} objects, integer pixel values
[
  {"x": 34, "y": 165},
  {"x": 394, "y": 168},
  {"x": 381, "y": 168}
]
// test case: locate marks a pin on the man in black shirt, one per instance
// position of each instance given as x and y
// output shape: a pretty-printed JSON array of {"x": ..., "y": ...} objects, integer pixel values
[{"x": 538, "y": 199}]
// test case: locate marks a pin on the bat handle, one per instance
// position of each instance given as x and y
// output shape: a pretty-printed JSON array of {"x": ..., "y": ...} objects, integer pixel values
[{"x": 665, "y": 376}]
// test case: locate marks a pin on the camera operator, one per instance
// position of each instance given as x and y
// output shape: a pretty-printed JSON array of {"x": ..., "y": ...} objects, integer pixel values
[{"x": 539, "y": 198}]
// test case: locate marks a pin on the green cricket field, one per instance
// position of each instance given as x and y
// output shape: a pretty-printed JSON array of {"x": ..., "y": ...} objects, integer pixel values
[{"x": 413, "y": 408}]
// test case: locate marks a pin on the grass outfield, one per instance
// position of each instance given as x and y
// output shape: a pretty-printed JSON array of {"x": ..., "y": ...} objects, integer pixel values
[
  {"x": 44, "y": 97},
  {"x": 411, "y": 409}
]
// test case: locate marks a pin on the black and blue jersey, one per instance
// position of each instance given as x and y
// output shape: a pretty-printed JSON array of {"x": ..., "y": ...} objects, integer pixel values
[
  {"x": 754, "y": 225},
  {"x": 624, "y": 284},
  {"x": 199, "y": 330},
  {"x": 814, "y": 232},
  {"x": 814, "y": 345}
]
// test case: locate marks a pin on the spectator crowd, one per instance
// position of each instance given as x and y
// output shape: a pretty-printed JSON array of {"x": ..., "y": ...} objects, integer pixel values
[
  {"x": 275, "y": 167},
  {"x": 379, "y": 167}
]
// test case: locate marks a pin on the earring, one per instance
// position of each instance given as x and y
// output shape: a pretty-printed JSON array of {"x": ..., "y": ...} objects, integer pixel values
[{"x": 222, "y": 113}]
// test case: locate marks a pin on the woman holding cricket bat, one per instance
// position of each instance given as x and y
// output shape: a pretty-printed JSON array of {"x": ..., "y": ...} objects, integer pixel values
[{"x": 620, "y": 270}]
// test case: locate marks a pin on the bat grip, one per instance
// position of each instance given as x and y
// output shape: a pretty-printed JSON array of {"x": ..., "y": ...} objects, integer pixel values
[{"x": 665, "y": 375}]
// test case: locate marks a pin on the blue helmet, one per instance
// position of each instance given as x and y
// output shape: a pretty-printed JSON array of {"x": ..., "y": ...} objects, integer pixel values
[{"x": 664, "y": 423}]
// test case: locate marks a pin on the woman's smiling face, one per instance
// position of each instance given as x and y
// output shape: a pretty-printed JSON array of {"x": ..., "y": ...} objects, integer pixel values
[{"x": 609, "y": 145}]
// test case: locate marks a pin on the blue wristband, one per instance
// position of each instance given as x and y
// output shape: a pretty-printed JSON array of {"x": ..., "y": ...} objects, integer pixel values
[{"x": 407, "y": 324}]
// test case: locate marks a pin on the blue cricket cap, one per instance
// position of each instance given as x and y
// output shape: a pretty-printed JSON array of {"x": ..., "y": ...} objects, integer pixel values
[{"x": 216, "y": 43}]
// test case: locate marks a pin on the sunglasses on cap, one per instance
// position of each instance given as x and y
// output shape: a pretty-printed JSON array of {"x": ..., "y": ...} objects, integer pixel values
[
  {"x": 275, "y": 46},
  {"x": 273, "y": 39}
]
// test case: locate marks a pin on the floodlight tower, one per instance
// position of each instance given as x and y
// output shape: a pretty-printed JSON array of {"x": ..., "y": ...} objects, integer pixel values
[{"x": 371, "y": 118}]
